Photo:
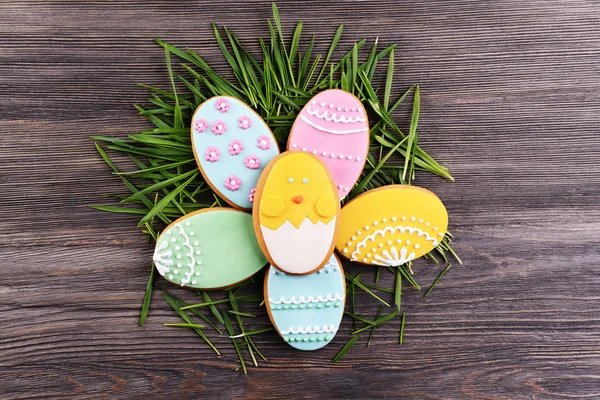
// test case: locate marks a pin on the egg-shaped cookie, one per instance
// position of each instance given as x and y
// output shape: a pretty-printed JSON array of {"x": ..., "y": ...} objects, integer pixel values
[
  {"x": 232, "y": 145},
  {"x": 391, "y": 225},
  {"x": 306, "y": 310},
  {"x": 295, "y": 213},
  {"x": 209, "y": 249},
  {"x": 333, "y": 126}
]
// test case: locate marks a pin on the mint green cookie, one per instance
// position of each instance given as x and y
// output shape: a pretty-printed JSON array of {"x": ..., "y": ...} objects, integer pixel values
[{"x": 209, "y": 249}]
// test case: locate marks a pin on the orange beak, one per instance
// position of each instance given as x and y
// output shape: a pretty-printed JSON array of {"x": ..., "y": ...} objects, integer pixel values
[{"x": 297, "y": 199}]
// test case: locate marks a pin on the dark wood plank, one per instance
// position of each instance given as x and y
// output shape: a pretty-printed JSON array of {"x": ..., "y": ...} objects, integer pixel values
[{"x": 510, "y": 102}]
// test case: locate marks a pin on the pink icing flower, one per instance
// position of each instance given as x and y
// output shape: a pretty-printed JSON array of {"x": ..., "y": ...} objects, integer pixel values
[
  {"x": 252, "y": 162},
  {"x": 263, "y": 143},
  {"x": 245, "y": 122},
  {"x": 233, "y": 183},
  {"x": 212, "y": 154},
  {"x": 235, "y": 147},
  {"x": 201, "y": 125},
  {"x": 222, "y": 105},
  {"x": 218, "y": 127},
  {"x": 251, "y": 195}
]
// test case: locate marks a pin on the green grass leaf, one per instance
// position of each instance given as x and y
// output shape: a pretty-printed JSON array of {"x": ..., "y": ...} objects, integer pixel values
[
  {"x": 437, "y": 280},
  {"x": 166, "y": 200},
  {"x": 147, "y": 296},
  {"x": 345, "y": 349}
]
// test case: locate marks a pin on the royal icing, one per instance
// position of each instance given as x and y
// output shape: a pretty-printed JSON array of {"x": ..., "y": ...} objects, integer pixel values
[
  {"x": 333, "y": 126},
  {"x": 190, "y": 254},
  {"x": 306, "y": 310},
  {"x": 391, "y": 225},
  {"x": 230, "y": 140},
  {"x": 295, "y": 213}
]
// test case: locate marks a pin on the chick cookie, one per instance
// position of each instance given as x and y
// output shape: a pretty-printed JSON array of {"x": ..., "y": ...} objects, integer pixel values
[{"x": 295, "y": 213}]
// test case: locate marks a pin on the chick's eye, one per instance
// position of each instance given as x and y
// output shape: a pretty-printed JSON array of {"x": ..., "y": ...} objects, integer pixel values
[
  {"x": 305, "y": 180},
  {"x": 291, "y": 180}
]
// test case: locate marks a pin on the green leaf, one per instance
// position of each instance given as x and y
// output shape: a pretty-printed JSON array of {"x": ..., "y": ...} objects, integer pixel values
[
  {"x": 412, "y": 135},
  {"x": 345, "y": 349},
  {"x": 147, "y": 296},
  {"x": 334, "y": 42},
  {"x": 402, "y": 329},
  {"x": 437, "y": 280},
  {"x": 166, "y": 200},
  {"x": 388, "y": 81},
  {"x": 160, "y": 185},
  {"x": 173, "y": 303}
]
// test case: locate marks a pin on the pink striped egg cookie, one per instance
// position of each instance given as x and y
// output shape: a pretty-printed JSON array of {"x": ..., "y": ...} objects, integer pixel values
[{"x": 333, "y": 125}]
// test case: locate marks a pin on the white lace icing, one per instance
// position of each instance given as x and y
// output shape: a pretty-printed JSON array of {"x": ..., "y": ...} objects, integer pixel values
[
  {"x": 162, "y": 265},
  {"x": 394, "y": 259},
  {"x": 390, "y": 229},
  {"x": 333, "y": 131},
  {"x": 188, "y": 275},
  {"x": 310, "y": 329},
  {"x": 163, "y": 262},
  {"x": 307, "y": 300},
  {"x": 333, "y": 117}
]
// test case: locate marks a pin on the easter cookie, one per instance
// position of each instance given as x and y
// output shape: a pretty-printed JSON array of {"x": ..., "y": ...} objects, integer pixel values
[
  {"x": 307, "y": 310},
  {"x": 391, "y": 225},
  {"x": 295, "y": 213},
  {"x": 209, "y": 249},
  {"x": 232, "y": 145},
  {"x": 333, "y": 126}
]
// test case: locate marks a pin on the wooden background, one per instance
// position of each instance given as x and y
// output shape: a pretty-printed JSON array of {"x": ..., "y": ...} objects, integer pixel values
[{"x": 510, "y": 103}]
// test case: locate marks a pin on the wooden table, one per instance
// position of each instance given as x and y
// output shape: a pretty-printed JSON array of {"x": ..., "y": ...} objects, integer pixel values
[{"x": 510, "y": 103}]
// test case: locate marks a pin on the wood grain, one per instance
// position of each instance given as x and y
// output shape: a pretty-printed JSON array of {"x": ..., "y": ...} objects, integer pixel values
[{"x": 510, "y": 103}]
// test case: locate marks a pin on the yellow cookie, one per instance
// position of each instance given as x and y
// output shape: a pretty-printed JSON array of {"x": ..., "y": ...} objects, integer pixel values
[
  {"x": 295, "y": 212},
  {"x": 391, "y": 225}
]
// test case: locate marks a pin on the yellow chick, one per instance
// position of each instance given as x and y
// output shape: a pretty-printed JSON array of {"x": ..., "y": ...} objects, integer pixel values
[{"x": 295, "y": 213}]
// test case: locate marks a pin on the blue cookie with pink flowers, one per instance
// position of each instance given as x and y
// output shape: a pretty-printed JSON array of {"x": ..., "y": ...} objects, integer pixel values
[{"x": 232, "y": 145}]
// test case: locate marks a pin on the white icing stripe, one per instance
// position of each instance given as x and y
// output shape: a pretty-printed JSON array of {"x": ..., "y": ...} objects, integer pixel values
[
  {"x": 333, "y": 117},
  {"x": 381, "y": 232},
  {"x": 188, "y": 275},
  {"x": 306, "y": 300},
  {"x": 310, "y": 329},
  {"x": 335, "y": 132},
  {"x": 394, "y": 259},
  {"x": 162, "y": 265}
]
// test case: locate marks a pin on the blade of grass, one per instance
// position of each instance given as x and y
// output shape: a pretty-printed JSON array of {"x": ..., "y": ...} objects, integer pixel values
[
  {"x": 238, "y": 350},
  {"x": 398, "y": 291},
  {"x": 374, "y": 326},
  {"x": 345, "y": 349},
  {"x": 378, "y": 322},
  {"x": 437, "y": 280},
  {"x": 363, "y": 287},
  {"x": 412, "y": 135},
  {"x": 401, "y": 340},
  {"x": 195, "y": 326},
  {"x": 250, "y": 333},
  {"x": 388, "y": 81},
  {"x": 334, "y": 42},
  {"x": 147, "y": 296},
  {"x": 171, "y": 301},
  {"x": 166, "y": 200}
]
